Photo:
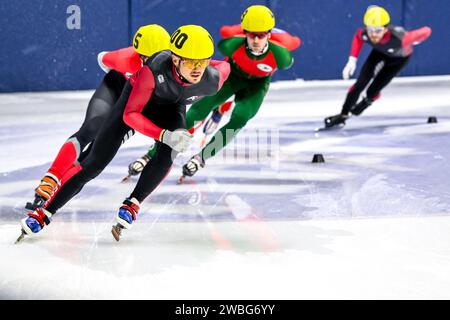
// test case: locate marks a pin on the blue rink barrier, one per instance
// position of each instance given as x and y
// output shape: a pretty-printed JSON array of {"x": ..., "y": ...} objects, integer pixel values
[{"x": 53, "y": 44}]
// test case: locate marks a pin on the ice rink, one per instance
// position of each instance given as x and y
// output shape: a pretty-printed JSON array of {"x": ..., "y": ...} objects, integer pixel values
[{"x": 372, "y": 222}]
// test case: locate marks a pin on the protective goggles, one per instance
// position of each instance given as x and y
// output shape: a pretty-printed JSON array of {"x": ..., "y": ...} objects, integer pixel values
[
  {"x": 195, "y": 63},
  {"x": 260, "y": 35},
  {"x": 375, "y": 29}
]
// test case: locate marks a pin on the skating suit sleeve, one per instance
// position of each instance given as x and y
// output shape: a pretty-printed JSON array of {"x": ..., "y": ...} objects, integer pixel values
[
  {"x": 415, "y": 37},
  {"x": 282, "y": 55},
  {"x": 285, "y": 39},
  {"x": 125, "y": 61},
  {"x": 231, "y": 31},
  {"x": 230, "y": 45},
  {"x": 143, "y": 84},
  {"x": 224, "y": 70},
  {"x": 357, "y": 43}
]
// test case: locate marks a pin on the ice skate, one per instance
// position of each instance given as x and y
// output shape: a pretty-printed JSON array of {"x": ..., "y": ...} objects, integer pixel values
[
  {"x": 125, "y": 217},
  {"x": 34, "y": 223},
  {"x": 335, "y": 121},
  {"x": 136, "y": 167},
  {"x": 46, "y": 189},
  {"x": 191, "y": 167}
]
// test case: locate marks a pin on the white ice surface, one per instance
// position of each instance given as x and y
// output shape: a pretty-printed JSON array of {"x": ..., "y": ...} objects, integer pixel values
[{"x": 372, "y": 222}]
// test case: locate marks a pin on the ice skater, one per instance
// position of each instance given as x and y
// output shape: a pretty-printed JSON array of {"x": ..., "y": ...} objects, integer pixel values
[
  {"x": 392, "y": 49},
  {"x": 119, "y": 65},
  {"x": 153, "y": 103}
]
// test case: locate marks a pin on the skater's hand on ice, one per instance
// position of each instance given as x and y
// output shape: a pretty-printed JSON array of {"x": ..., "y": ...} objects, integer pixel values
[
  {"x": 349, "y": 68},
  {"x": 178, "y": 140}
]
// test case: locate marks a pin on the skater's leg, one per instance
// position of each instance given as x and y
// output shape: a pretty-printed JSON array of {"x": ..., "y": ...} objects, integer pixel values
[
  {"x": 99, "y": 107},
  {"x": 247, "y": 104},
  {"x": 153, "y": 173},
  {"x": 391, "y": 68},
  {"x": 104, "y": 148},
  {"x": 159, "y": 165},
  {"x": 365, "y": 76},
  {"x": 71, "y": 152}
]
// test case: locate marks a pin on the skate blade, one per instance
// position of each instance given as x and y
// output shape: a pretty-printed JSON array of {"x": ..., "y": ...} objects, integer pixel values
[
  {"x": 116, "y": 232},
  {"x": 203, "y": 143},
  {"x": 181, "y": 180},
  {"x": 21, "y": 237},
  {"x": 126, "y": 179},
  {"x": 336, "y": 127}
]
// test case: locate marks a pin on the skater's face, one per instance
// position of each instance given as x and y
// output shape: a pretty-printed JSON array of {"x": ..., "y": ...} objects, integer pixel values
[
  {"x": 376, "y": 33},
  {"x": 191, "y": 69},
  {"x": 257, "y": 41}
]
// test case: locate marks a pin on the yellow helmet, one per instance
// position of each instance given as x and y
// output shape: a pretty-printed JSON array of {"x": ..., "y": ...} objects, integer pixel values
[
  {"x": 150, "y": 39},
  {"x": 192, "y": 42},
  {"x": 376, "y": 17},
  {"x": 257, "y": 19}
]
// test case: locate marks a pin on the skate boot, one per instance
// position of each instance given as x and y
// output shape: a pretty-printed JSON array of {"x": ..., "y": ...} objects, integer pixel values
[
  {"x": 213, "y": 122},
  {"x": 335, "y": 120},
  {"x": 35, "y": 222},
  {"x": 358, "y": 108},
  {"x": 127, "y": 214},
  {"x": 137, "y": 166},
  {"x": 191, "y": 167},
  {"x": 48, "y": 186}
]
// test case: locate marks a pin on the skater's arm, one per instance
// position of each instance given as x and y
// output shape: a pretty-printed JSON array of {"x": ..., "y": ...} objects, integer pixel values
[
  {"x": 232, "y": 31},
  {"x": 228, "y": 46},
  {"x": 357, "y": 43},
  {"x": 224, "y": 70},
  {"x": 124, "y": 60},
  {"x": 283, "y": 56},
  {"x": 285, "y": 39},
  {"x": 417, "y": 36},
  {"x": 143, "y": 84}
]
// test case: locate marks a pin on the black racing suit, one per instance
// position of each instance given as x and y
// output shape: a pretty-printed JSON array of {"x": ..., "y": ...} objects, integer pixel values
[
  {"x": 99, "y": 108},
  {"x": 153, "y": 99},
  {"x": 386, "y": 60}
]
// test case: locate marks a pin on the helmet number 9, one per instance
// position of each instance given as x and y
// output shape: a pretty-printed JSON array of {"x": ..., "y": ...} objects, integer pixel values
[
  {"x": 178, "y": 39},
  {"x": 136, "y": 40}
]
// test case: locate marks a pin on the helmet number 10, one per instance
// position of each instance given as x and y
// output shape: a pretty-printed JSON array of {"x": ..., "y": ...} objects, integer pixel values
[{"x": 178, "y": 39}]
